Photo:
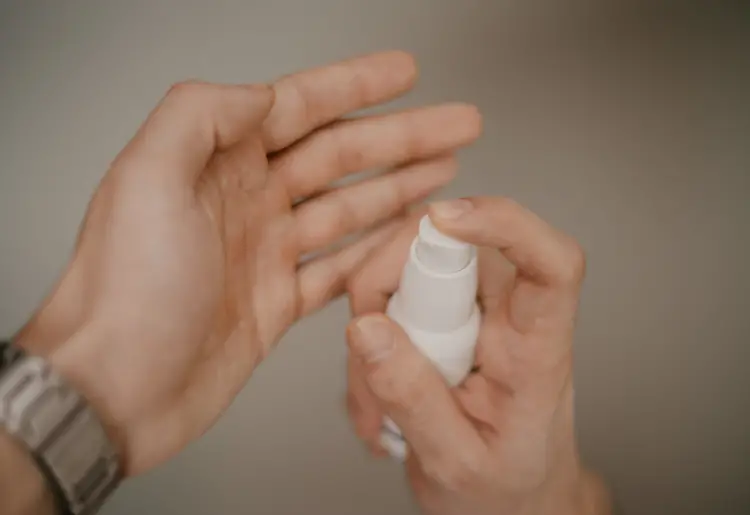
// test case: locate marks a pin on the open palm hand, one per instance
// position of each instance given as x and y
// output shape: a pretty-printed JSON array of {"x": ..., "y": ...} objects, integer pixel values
[{"x": 219, "y": 225}]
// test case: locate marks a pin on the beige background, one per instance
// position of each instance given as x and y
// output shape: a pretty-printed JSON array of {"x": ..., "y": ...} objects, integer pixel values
[{"x": 625, "y": 123}]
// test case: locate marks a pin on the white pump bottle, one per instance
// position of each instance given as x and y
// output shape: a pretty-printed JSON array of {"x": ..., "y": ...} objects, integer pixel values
[{"x": 436, "y": 306}]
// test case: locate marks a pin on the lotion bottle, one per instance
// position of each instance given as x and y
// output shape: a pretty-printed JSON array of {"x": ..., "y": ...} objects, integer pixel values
[{"x": 437, "y": 308}]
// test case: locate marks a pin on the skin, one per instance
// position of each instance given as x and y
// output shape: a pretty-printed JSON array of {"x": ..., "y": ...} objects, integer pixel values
[
  {"x": 503, "y": 441},
  {"x": 220, "y": 225},
  {"x": 22, "y": 486}
]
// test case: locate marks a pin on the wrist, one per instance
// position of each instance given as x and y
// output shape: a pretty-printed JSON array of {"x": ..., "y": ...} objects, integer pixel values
[
  {"x": 61, "y": 434},
  {"x": 67, "y": 349},
  {"x": 582, "y": 493},
  {"x": 23, "y": 489},
  {"x": 595, "y": 494}
]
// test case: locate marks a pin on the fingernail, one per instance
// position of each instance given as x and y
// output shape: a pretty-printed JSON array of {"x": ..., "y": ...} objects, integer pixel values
[
  {"x": 373, "y": 338},
  {"x": 451, "y": 209},
  {"x": 376, "y": 451}
]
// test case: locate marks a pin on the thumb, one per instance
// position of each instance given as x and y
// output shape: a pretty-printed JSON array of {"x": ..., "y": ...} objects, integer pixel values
[
  {"x": 413, "y": 394},
  {"x": 193, "y": 121}
]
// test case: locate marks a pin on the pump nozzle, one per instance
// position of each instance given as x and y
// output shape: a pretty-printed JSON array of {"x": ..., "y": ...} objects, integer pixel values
[
  {"x": 439, "y": 283},
  {"x": 439, "y": 253}
]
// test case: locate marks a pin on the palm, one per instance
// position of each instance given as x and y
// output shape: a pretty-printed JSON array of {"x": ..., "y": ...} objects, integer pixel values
[{"x": 249, "y": 211}]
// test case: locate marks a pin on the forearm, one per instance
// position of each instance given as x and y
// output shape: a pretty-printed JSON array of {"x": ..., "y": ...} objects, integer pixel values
[
  {"x": 597, "y": 496},
  {"x": 23, "y": 489},
  {"x": 586, "y": 495},
  {"x": 579, "y": 491}
]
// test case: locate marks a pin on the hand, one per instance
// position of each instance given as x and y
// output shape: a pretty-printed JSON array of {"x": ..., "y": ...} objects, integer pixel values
[
  {"x": 502, "y": 442},
  {"x": 217, "y": 227}
]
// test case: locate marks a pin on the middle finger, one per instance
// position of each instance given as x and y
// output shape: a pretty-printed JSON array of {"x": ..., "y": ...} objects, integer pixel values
[{"x": 353, "y": 146}]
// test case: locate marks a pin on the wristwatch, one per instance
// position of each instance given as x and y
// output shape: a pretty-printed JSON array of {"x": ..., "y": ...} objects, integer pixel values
[{"x": 60, "y": 430}]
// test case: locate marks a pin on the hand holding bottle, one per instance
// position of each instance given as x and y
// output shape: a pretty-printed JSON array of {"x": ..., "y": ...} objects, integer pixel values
[{"x": 503, "y": 441}]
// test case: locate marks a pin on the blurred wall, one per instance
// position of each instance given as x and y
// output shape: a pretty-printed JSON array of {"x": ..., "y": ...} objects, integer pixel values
[{"x": 624, "y": 123}]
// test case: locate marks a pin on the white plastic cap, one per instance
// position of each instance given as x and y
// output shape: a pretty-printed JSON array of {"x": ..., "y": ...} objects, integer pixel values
[
  {"x": 440, "y": 253},
  {"x": 439, "y": 283}
]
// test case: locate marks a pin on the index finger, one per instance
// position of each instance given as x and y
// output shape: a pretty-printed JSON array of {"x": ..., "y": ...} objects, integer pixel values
[
  {"x": 536, "y": 249},
  {"x": 378, "y": 277},
  {"x": 312, "y": 98},
  {"x": 192, "y": 122}
]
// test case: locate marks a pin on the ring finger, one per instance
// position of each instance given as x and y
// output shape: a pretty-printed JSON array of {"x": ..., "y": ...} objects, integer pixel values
[{"x": 324, "y": 220}]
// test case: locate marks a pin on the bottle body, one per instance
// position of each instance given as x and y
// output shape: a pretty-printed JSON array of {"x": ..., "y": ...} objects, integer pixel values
[
  {"x": 452, "y": 354},
  {"x": 436, "y": 307}
]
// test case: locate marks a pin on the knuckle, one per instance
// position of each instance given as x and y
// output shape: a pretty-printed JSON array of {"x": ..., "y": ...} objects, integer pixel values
[
  {"x": 348, "y": 155},
  {"x": 354, "y": 283},
  {"x": 574, "y": 268},
  {"x": 301, "y": 98},
  {"x": 505, "y": 205},
  {"x": 392, "y": 196},
  {"x": 356, "y": 414},
  {"x": 412, "y": 143},
  {"x": 188, "y": 89},
  {"x": 401, "y": 386},
  {"x": 450, "y": 167},
  {"x": 361, "y": 89},
  {"x": 460, "y": 474},
  {"x": 499, "y": 210},
  {"x": 344, "y": 215}
]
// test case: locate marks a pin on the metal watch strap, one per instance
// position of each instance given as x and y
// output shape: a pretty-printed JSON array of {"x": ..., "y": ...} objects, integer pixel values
[
  {"x": 64, "y": 435},
  {"x": 9, "y": 354}
]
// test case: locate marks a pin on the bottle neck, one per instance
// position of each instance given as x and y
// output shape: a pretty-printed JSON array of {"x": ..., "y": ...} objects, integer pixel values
[{"x": 437, "y": 302}]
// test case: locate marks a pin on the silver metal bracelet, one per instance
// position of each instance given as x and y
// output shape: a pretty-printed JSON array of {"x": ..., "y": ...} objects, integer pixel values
[{"x": 60, "y": 430}]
